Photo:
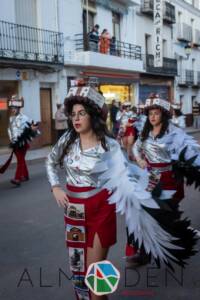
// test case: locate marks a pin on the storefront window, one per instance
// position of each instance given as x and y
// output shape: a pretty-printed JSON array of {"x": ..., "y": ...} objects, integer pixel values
[{"x": 116, "y": 92}]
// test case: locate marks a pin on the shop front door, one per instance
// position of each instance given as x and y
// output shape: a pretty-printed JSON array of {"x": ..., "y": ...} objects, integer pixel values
[
  {"x": 7, "y": 89},
  {"x": 46, "y": 116},
  {"x": 4, "y": 141}
]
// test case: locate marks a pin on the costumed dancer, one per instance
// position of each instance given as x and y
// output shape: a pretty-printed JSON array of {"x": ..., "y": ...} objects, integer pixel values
[
  {"x": 127, "y": 132},
  {"x": 141, "y": 118},
  {"x": 21, "y": 131},
  {"x": 168, "y": 153},
  {"x": 178, "y": 119},
  {"x": 94, "y": 162}
]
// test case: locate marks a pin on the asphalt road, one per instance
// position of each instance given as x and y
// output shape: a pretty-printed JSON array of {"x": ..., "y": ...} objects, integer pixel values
[{"x": 33, "y": 253}]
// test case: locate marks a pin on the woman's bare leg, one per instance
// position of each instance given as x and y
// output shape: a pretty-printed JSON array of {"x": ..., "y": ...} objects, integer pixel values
[
  {"x": 130, "y": 142},
  {"x": 94, "y": 254}
]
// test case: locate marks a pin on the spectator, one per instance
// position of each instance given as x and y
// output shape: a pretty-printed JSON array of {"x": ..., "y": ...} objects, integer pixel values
[
  {"x": 105, "y": 42},
  {"x": 196, "y": 114},
  {"x": 60, "y": 121},
  {"x": 113, "y": 46},
  {"x": 113, "y": 112},
  {"x": 178, "y": 118},
  {"x": 93, "y": 37}
]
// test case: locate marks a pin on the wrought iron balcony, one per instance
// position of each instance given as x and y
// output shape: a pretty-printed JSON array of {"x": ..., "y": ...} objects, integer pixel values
[
  {"x": 196, "y": 83},
  {"x": 169, "y": 66},
  {"x": 116, "y": 48},
  {"x": 29, "y": 46},
  {"x": 169, "y": 14},
  {"x": 186, "y": 78},
  {"x": 196, "y": 40},
  {"x": 168, "y": 10},
  {"x": 184, "y": 32}
]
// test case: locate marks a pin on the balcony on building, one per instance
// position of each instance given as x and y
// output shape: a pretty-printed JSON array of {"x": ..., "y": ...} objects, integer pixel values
[
  {"x": 184, "y": 32},
  {"x": 121, "y": 55},
  {"x": 30, "y": 47},
  {"x": 196, "y": 39},
  {"x": 120, "y": 5},
  {"x": 186, "y": 78},
  {"x": 196, "y": 82},
  {"x": 169, "y": 15},
  {"x": 169, "y": 66}
]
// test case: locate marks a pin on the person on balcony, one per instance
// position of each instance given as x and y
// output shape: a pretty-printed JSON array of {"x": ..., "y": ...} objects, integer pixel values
[
  {"x": 93, "y": 38},
  {"x": 104, "y": 46},
  {"x": 113, "y": 50},
  {"x": 21, "y": 131}
]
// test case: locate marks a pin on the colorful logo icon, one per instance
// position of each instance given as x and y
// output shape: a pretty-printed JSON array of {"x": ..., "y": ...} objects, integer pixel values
[{"x": 102, "y": 278}]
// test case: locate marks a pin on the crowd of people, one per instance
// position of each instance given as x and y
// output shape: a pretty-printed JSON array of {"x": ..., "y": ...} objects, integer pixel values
[
  {"x": 137, "y": 170},
  {"x": 103, "y": 42}
]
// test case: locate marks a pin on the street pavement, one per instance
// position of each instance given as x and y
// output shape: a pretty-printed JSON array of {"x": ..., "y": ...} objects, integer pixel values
[{"x": 33, "y": 253}]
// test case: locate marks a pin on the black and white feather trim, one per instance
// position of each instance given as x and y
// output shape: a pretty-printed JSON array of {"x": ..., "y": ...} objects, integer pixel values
[
  {"x": 27, "y": 135},
  {"x": 127, "y": 184}
]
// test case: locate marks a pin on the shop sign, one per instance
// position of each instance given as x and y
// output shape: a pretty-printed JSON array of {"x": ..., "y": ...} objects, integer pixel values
[
  {"x": 158, "y": 34},
  {"x": 3, "y": 104}
]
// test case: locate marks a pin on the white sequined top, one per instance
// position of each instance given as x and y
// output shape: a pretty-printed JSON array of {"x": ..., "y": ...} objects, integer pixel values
[
  {"x": 16, "y": 126},
  {"x": 77, "y": 163}
]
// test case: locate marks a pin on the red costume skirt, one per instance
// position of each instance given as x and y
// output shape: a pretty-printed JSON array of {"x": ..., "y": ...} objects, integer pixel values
[
  {"x": 88, "y": 213},
  {"x": 130, "y": 131},
  {"x": 168, "y": 181}
]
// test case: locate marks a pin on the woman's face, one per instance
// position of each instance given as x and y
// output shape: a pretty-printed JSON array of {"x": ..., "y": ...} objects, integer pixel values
[
  {"x": 155, "y": 117},
  {"x": 80, "y": 119},
  {"x": 14, "y": 111}
]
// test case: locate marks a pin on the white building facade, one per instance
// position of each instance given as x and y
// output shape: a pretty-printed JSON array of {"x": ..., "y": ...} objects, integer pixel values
[
  {"x": 187, "y": 34},
  {"x": 45, "y": 44},
  {"x": 31, "y": 62}
]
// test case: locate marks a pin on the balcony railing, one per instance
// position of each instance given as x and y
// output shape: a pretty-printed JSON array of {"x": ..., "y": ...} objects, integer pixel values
[
  {"x": 24, "y": 43},
  {"x": 186, "y": 78},
  {"x": 184, "y": 32},
  {"x": 117, "y": 48},
  {"x": 196, "y": 40},
  {"x": 169, "y": 66},
  {"x": 169, "y": 15},
  {"x": 196, "y": 82}
]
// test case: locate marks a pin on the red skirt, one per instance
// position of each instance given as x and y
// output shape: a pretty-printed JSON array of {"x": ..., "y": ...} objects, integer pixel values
[
  {"x": 130, "y": 131},
  {"x": 94, "y": 213},
  {"x": 168, "y": 181}
]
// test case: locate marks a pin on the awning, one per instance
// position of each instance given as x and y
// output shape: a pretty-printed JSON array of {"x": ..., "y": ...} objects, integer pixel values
[{"x": 112, "y": 78}]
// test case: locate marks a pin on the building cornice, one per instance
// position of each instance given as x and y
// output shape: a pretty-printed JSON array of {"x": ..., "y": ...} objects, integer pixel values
[{"x": 187, "y": 6}]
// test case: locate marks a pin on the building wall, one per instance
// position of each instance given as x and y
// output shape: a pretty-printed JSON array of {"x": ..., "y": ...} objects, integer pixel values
[
  {"x": 188, "y": 12},
  {"x": 7, "y": 11}
]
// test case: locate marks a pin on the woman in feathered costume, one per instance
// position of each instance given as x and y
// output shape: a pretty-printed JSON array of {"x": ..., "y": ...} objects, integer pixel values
[
  {"x": 21, "y": 131},
  {"x": 168, "y": 153},
  {"x": 100, "y": 181}
]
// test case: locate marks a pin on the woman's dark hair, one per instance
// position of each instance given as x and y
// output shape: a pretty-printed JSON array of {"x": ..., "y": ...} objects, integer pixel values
[
  {"x": 177, "y": 112},
  {"x": 98, "y": 121},
  {"x": 105, "y": 30},
  {"x": 148, "y": 127}
]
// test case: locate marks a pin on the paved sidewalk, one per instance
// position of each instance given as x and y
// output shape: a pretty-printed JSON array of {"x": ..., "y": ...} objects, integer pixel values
[{"x": 32, "y": 155}]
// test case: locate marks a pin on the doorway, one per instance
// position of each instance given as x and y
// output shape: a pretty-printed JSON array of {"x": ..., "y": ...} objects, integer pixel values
[
  {"x": 7, "y": 89},
  {"x": 46, "y": 116}
]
